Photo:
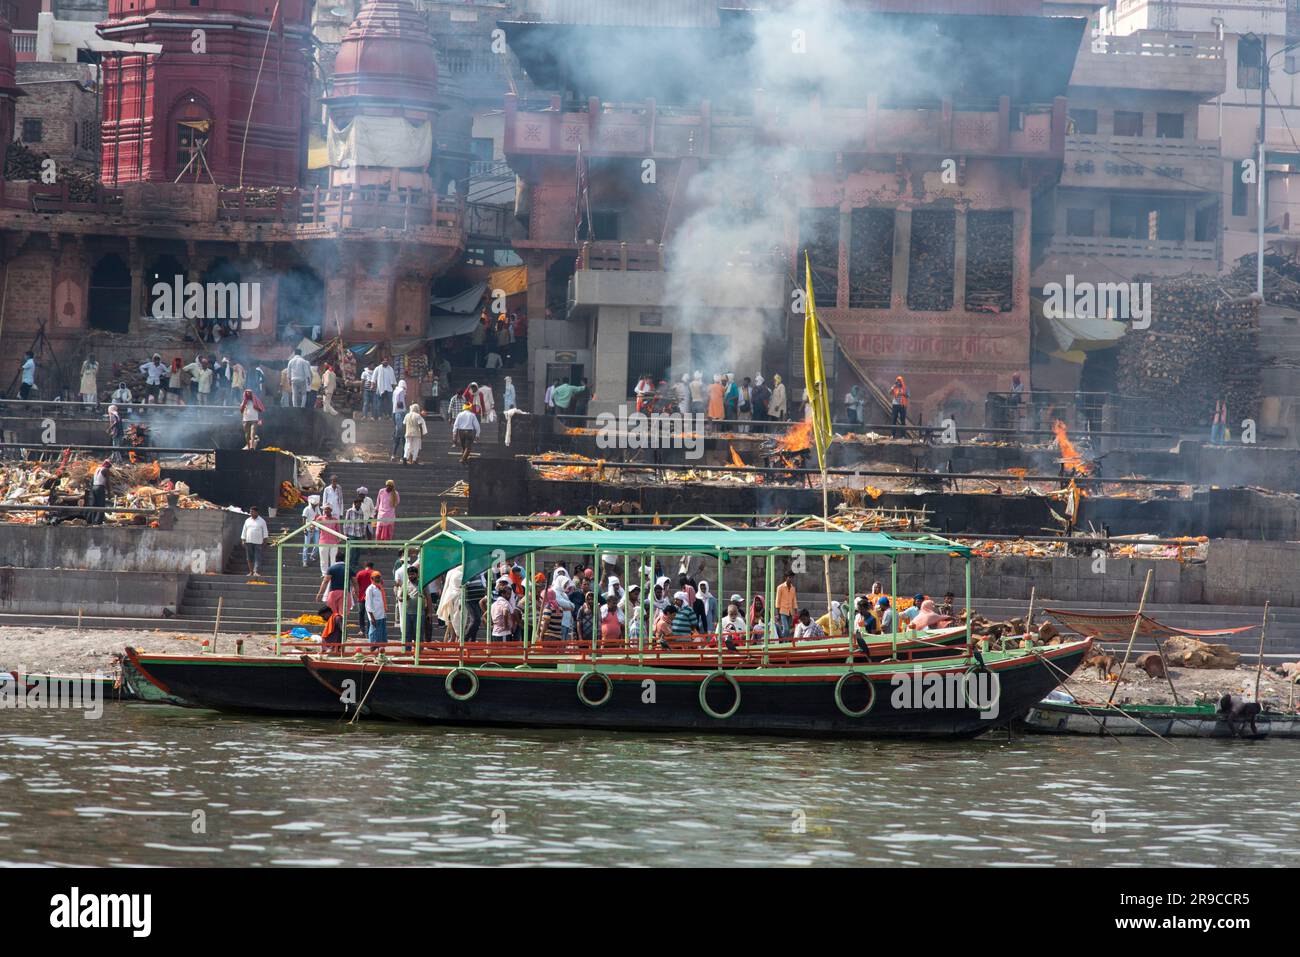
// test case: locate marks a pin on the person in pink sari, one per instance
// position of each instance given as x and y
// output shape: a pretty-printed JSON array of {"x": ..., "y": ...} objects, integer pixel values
[{"x": 386, "y": 511}]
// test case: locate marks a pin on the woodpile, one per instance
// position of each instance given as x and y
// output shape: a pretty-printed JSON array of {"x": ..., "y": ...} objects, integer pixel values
[
  {"x": 1183, "y": 651},
  {"x": 990, "y": 257},
  {"x": 68, "y": 484},
  {"x": 1202, "y": 345},
  {"x": 871, "y": 258},
  {"x": 24, "y": 163},
  {"x": 932, "y": 263},
  {"x": 819, "y": 235}
]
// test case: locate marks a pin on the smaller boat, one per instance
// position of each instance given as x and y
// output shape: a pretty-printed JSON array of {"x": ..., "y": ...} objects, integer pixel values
[
  {"x": 105, "y": 687},
  {"x": 1200, "y": 720}
]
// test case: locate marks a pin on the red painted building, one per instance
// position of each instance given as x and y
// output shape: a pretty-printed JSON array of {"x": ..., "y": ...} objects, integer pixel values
[{"x": 225, "y": 101}]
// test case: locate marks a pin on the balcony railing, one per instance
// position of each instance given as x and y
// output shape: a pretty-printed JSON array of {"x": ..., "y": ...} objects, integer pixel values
[
  {"x": 24, "y": 41},
  {"x": 643, "y": 129},
  {"x": 621, "y": 256},
  {"x": 1183, "y": 251},
  {"x": 1160, "y": 43}
]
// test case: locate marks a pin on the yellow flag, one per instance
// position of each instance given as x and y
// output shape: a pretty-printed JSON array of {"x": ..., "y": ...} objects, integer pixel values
[{"x": 814, "y": 370}]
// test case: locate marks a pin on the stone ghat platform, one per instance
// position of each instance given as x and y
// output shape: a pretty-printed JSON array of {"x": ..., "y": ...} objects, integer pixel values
[{"x": 513, "y": 486}]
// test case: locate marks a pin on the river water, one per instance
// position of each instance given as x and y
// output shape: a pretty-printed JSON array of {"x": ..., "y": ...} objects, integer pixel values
[{"x": 149, "y": 784}]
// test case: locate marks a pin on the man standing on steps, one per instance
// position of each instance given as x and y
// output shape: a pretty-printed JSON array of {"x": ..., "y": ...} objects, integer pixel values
[
  {"x": 415, "y": 432},
  {"x": 332, "y": 496},
  {"x": 377, "y": 610},
  {"x": 385, "y": 381},
  {"x": 332, "y": 585},
  {"x": 100, "y": 483},
  {"x": 299, "y": 378},
  {"x": 466, "y": 429},
  {"x": 253, "y": 536}
]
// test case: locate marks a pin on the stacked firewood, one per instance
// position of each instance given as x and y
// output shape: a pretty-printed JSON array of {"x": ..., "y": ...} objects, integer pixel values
[
  {"x": 819, "y": 236},
  {"x": 871, "y": 262},
  {"x": 22, "y": 162},
  {"x": 1201, "y": 346},
  {"x": 990, "y": 254},
  {"x": 930, "y": 271}
]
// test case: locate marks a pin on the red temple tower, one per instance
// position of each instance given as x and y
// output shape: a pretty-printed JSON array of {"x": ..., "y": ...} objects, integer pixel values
[
  {"x": 224, "y": 101},
  {"x": 382, "y": 99}
]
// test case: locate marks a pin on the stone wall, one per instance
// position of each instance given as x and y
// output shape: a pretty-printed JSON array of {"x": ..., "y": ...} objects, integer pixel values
[
  {"x": 199, "y": 541},
  {"x": 72, "y": 592}
]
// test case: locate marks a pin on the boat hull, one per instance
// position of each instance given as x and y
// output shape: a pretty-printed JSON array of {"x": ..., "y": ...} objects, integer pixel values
[
  {"x": 777, "y": 701},
  {"x": 255, "y": 685}
]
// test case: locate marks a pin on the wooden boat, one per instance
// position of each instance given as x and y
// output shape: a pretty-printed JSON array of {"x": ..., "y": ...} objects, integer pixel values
[
  {"x": 103, "y": 687},
  {"x": 878, "y": 700},
  {"x": 278, "y": 684},
  {"x": 1200, "y": 720}
]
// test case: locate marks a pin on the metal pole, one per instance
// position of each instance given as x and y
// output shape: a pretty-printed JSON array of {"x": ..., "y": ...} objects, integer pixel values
[
  {"x": 970, "y": 649},
  {"x": 851, "y": 602},
  {"x": 1260, "y": 197},
  {"x": 279, "y": 593},
  {"x": 720, "y": 590},
  {"x": 419, "y": 604},
  {"x": 893, "y": 605}
]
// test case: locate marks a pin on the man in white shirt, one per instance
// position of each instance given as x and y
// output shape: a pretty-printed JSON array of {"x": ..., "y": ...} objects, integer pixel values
[
  {"x": 154, "y": 372},
  {"x": 415, "y": 432},
  {"x": 466, "y": 430},
  {"x": 333, "y": 496},
  {"x": 385, "y": 382},
  {"x": 549, "y": 401},
  {"x": 299, "y": 378},
  {"x": 407, "y": 596},
  {"x": 28, "y": 385},
  {"x": 807, "y": 628},
  {"x": 367, "y": 505},
  {"x": 310, "y": 536},
  {"x": 329, "y": 383},
  {"x": 376, "y": 611},
  {"x": 253, "y": 535},
  {"x": 367, "y": 392}
]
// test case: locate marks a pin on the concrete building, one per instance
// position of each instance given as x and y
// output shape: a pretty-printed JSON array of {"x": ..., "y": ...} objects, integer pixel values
[
  {"x": 1140, "y": 193},
  {"x": 915, "y": 207}
]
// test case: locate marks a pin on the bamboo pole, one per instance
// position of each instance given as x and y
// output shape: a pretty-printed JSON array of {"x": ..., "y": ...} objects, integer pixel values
[
  {"x": 1259, "y": 668},
  {"x": 1029, "y": 618},
  {"x": 1137, "y": 621},
  {"x": 216, "y": 625}
]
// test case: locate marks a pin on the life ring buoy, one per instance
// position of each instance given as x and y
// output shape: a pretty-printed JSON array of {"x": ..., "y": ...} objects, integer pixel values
[
  {"x": 704, "y": 688},
  {"x": 582, "y": 685},
  {"x": 489, "y": 664},
  {"x": 450, "y": 680},
  {"x": 839, "y": 695}
]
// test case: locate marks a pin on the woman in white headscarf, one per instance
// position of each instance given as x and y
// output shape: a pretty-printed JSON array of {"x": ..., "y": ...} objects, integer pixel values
[
  {"x": 449, "y": 605},
  {"x": 835, "y": 623}
]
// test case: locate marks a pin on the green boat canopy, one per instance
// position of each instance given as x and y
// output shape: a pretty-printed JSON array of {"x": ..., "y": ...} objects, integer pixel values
[{"x": 480, "y": 549}]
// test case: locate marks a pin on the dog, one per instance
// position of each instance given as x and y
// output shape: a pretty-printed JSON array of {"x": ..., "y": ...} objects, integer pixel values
[
  {"x": 1234, "y": 709},
  {"x": 1103, "y": 662}
]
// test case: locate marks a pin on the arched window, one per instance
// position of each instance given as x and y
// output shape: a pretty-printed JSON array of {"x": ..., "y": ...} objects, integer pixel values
[{"x": 191, "y": 128}]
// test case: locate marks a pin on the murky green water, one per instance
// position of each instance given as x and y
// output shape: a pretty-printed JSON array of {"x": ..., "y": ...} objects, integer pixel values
[{"x": 124, "y": 790}]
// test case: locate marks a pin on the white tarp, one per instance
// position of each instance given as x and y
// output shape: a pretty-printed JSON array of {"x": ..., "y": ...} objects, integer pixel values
[{"x": 381, "y": 141}]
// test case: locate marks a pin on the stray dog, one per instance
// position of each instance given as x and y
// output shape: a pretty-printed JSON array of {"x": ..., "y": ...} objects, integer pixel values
[
  {"x": 1236, "y": 710},
  {"x": 1103, "y": 662}
]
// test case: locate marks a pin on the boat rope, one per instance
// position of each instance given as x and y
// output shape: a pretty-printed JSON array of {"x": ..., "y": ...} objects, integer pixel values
[
  {"x": 383, "y": 661},
  {"x": 1065, "y": 680}
]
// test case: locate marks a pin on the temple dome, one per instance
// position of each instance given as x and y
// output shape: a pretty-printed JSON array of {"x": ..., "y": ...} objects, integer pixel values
[{"x": 387, "y": 55}]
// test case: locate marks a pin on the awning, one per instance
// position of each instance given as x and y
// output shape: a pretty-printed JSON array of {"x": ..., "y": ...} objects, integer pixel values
[
  {"x": 461, "y": 303},
  {"x": 1118, "y": 628},
  {"x": 444, "y": 327},
  {"x": 511, "y": 280},
  {"x": 1073, "y": 336},
  {"x": 480, "y": 549}
]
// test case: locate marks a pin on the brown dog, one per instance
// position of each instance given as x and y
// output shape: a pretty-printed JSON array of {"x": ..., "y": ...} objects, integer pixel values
[{"x": 1102, "y": 661}]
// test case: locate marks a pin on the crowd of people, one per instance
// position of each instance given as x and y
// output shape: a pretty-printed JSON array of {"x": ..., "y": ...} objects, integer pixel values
[{"x": 578, "y": 604}]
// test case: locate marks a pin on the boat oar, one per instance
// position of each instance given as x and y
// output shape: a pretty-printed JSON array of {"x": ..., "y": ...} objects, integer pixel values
[{"x": 366, "y": 696}]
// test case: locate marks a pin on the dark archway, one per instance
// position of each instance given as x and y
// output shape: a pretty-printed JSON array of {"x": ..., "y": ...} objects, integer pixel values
[
  {"x": 165, "y": 269},
  {"x": 223, "y": 298},
  {"x": 299, "y": 304},
  {"x": 558, "y": 275},
  {"x": 110, "y": 295}
]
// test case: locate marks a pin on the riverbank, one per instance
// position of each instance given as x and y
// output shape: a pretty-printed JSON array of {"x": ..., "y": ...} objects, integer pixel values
[
  {"x": 1192, "y": 684},
  {"x": 91, "y": 651}
]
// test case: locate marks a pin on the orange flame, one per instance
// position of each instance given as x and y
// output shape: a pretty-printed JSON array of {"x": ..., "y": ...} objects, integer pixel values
[
  {"x": 736, "y": 460},
  {"x": 1069, "y": 453},
  {"x": 797, "y": 438}
]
